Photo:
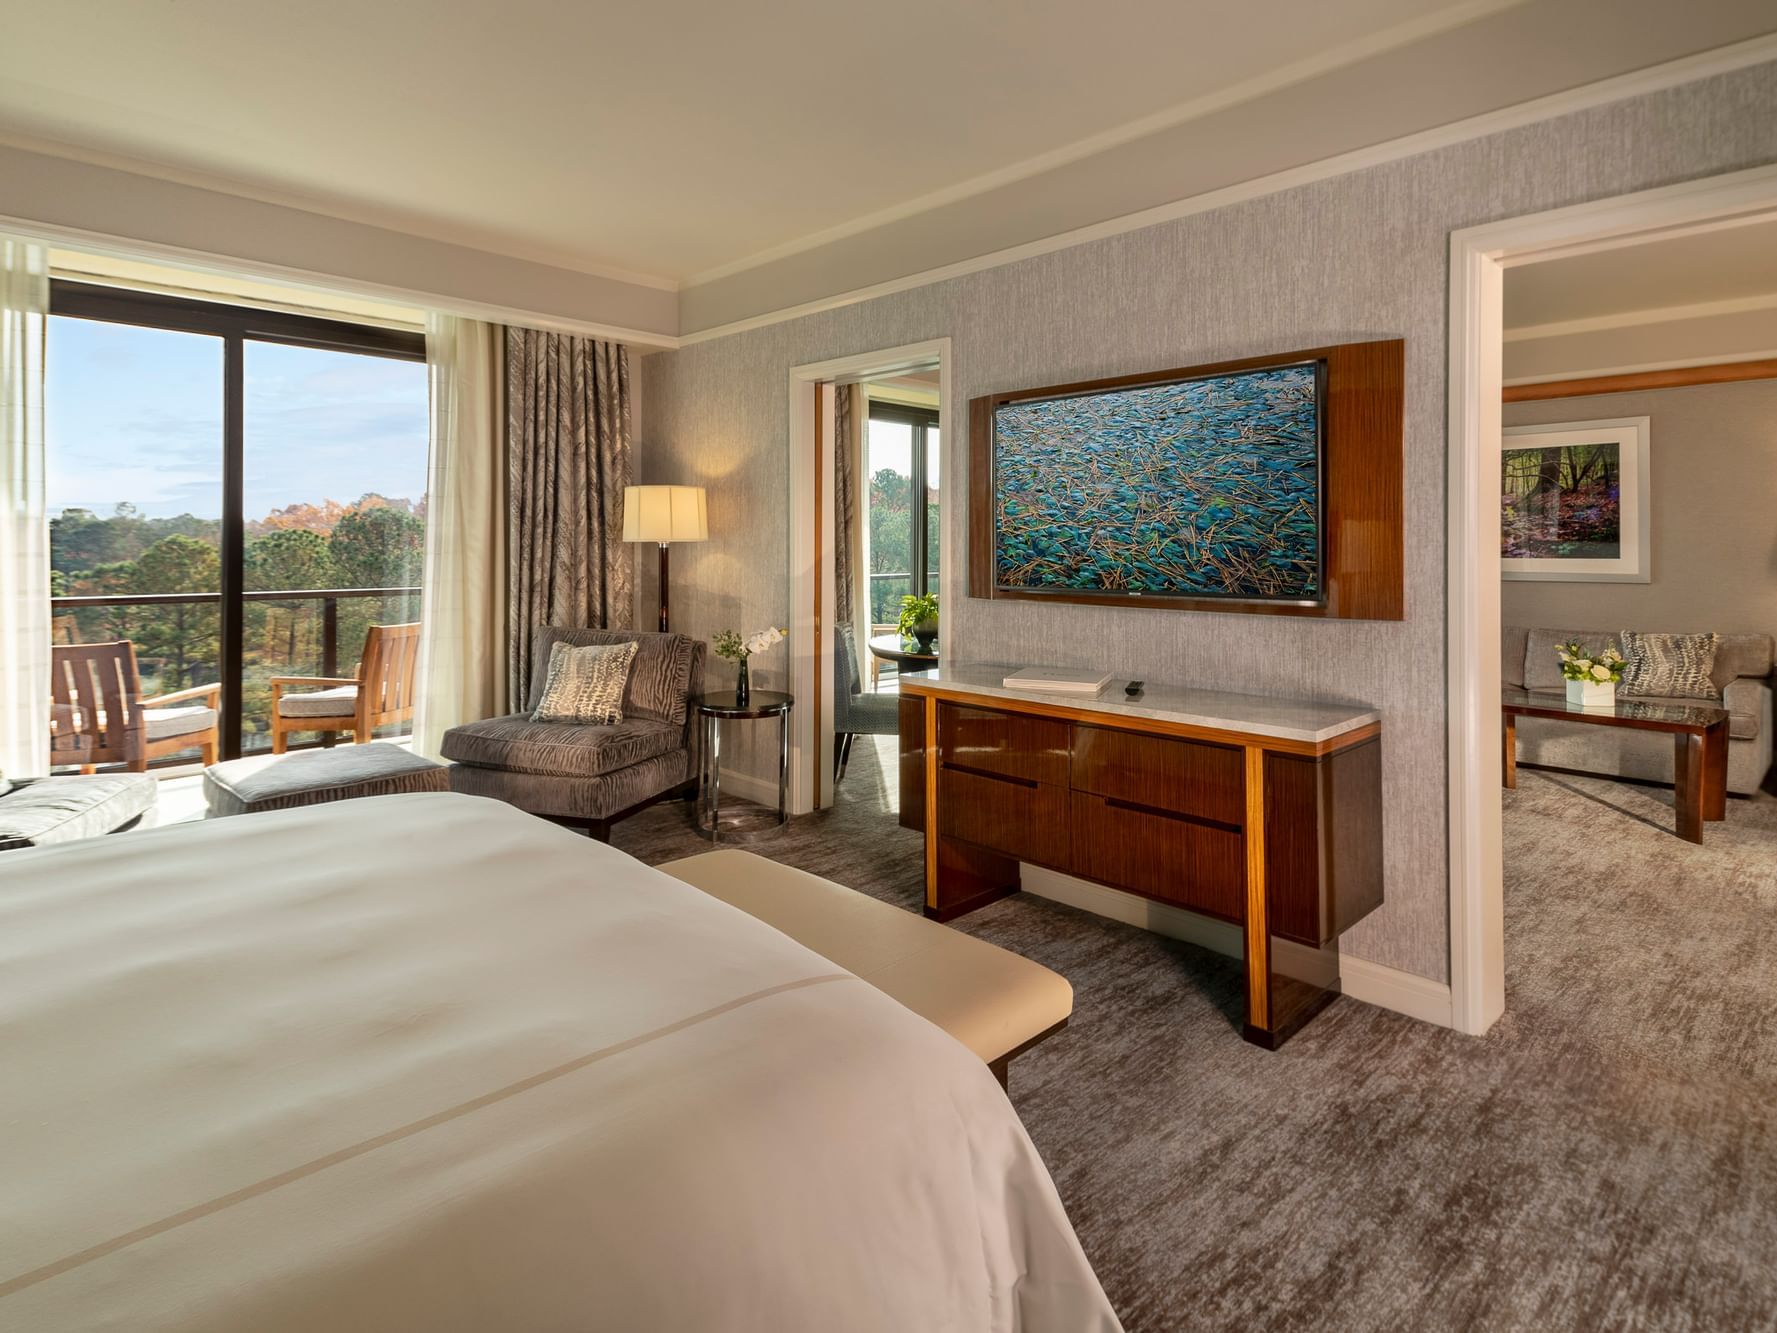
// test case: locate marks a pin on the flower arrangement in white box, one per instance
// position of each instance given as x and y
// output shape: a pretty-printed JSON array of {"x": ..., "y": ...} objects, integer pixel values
[{"x": 1591, "y": 677}]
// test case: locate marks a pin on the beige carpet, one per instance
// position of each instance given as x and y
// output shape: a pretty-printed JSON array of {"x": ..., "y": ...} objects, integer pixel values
[{"x": 1606, "y": 1158}]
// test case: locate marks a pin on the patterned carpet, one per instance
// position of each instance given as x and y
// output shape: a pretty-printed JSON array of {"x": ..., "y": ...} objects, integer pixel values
[{"x": 1603, "y": 1159}]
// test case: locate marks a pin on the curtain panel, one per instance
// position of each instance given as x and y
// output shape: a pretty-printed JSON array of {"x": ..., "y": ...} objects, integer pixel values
[
  {"x": 568, "y": 448},
  {"x": 850, "y": 412},
  {"x": 24, "y": 521},
  {"x": 462, "y": 669}
]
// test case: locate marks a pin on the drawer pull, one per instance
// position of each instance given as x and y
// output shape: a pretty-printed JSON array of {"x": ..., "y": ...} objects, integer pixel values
[
  {"x": 1117, "y": 803},
  {"x": 990, "y": 775}
]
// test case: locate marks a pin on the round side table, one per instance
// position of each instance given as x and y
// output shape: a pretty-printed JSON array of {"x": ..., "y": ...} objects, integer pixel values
[{"x": 712, "y": 711}]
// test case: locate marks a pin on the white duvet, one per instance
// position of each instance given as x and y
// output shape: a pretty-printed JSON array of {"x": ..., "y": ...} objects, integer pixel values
[{"x": 424, "y": 1062}]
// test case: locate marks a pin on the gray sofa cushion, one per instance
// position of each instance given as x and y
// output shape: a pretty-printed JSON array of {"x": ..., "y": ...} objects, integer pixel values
[
  {"x": 313, "y": 777},
  {"x": 337, "y": 701},
  {"x": 62, "y": 809},
  {"x": 559, "y": 749},
  {"x": 558, "y": 797},
  {"x": 660, "y": 678}
]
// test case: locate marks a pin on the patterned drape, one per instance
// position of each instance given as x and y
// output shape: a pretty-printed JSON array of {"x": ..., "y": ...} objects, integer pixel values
[
  {"x": 24, "y": 525},
  {"x": 567, "y": 440},
  {"x": 849, "y": 412}
]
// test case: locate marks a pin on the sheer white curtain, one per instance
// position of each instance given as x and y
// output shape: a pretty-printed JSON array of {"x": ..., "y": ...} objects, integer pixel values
[
  {"x": 463, "y": 618},
  {"x": 24, "y": 524}
]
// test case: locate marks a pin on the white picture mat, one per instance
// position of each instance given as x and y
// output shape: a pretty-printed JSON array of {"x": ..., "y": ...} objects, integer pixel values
[{"x": 1631, "y": 436}]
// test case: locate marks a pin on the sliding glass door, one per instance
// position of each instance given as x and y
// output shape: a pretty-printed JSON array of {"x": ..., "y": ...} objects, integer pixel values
[
  {"x": 239, "y": 493},
  {"x": 902, "y": 466}
]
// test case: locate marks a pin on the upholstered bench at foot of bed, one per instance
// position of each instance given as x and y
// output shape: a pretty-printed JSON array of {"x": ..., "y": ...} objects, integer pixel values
[
  {"x": 992, "y": 1001},
  {"x": 312, "y": 777}
]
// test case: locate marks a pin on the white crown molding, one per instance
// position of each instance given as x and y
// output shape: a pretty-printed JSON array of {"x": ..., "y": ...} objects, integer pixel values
[
  {"x": 1628, "y": 319},
  {"x": 1299, "y": 71},
  {"x": 1655, "y": 78},
  {"x": 389, "y": 219},
  {"x": 123, "y": 247}
]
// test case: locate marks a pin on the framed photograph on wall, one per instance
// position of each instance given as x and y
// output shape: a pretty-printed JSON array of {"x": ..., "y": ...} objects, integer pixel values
[{"x": 1574, "y": 502}]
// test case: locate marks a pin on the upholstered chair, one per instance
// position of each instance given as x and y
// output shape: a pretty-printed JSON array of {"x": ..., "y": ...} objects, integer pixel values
[
  {"x": 586, "y": 775},
  {"x": 854, "y": 712}
]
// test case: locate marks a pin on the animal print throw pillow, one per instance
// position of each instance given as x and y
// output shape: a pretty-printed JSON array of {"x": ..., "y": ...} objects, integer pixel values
[
  {"x": 585, "y": 685},
  {"x": 1670, "y": 666}
]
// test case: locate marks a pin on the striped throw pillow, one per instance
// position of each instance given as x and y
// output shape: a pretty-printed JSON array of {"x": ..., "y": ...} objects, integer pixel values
[
  {"x": 1668, "y": 666},
  {"x": 585, "y": 685}
]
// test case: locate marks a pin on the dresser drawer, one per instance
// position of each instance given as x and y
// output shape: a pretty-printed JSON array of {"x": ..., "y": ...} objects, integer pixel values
[
  {"x": 1012, "y": 745},
  {"x": 1160, "y": 856},
  {"x": 1021, "y": 818},
  {"x": 1186, "y": 777}
]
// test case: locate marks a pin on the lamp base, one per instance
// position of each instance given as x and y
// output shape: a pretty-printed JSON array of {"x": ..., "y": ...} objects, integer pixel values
[{"x": 663, "y": 566}]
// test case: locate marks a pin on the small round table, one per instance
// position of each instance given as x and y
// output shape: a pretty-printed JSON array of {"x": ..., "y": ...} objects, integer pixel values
[
  {"x": 712, "y": 711},
  {"x": 902, "y": 652}
]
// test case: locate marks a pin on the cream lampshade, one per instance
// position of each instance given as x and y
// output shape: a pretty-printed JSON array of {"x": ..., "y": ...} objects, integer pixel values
[{"x": 664, "y": 514}]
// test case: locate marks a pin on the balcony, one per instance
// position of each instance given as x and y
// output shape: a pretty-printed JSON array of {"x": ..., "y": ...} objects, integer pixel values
[{"x": 284, "y": 632}]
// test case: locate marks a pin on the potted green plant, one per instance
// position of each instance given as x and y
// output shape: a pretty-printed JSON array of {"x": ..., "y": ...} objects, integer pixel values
[
  {"x": 919, "y": 620},
  {"x": 1591, "y": 677}
]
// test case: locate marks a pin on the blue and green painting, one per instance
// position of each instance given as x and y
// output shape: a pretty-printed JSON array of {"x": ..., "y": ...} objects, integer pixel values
[{"x": 1199, "y": 488}]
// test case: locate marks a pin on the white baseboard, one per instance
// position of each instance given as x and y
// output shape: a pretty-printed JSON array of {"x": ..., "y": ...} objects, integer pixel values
[{"x": 1385, "y": 987}]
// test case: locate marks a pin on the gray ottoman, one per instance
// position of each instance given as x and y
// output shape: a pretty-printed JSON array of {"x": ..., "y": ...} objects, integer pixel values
[
  {"x": 64, "y": 809},
  {"x": 311, "y": 777}
]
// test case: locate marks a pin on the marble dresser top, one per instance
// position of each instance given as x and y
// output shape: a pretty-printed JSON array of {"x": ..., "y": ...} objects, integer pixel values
[{"x": 1311, "y": 721}]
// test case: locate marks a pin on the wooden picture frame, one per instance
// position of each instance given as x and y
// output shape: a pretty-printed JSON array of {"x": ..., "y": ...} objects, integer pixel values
[{"x": 1363, "y": 555}]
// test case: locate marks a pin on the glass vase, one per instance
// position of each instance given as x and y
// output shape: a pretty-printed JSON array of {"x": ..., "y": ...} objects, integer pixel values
[{"x": 743, "y": 688}]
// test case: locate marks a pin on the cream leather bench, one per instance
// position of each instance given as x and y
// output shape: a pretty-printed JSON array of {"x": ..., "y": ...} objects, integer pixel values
[{"x": 994, "y": 1002}]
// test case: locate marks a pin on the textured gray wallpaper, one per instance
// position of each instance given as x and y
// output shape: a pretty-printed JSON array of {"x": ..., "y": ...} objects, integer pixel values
[{"x": 1361, "y": 256}]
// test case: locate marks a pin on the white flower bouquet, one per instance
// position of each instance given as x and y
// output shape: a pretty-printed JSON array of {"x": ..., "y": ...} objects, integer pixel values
[
  {"x": 1591, "y": 677},
  {"x": 731, "y": 645}
]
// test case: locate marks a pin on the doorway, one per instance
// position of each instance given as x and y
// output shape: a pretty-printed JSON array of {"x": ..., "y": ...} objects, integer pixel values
[
  {"x": 898, "y": 401},
  {"x": 1480, "y": 260}
]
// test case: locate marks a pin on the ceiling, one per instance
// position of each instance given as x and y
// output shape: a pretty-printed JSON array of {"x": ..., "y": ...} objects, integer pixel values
[
  {"x": 669, "y": 141},
  {"x": 1704, "y": 267}
]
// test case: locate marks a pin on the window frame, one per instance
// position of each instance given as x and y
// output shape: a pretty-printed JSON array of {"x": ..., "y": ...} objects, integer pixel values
[
  {"x": 236, "y": 326},
  {"x": 923, "y": 420}
]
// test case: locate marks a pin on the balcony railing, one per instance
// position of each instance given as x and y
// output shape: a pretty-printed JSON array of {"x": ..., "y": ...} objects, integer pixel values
[
  {"x": 266, "y": 657},
  {"x": 329, "y": 598}
]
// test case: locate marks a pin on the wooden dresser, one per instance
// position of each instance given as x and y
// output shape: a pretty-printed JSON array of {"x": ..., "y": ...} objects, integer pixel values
[{"x": 1266, "y": 813}]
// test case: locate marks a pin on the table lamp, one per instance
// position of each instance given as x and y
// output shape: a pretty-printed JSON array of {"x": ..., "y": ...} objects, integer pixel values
[{"x": 664, "y": 514}]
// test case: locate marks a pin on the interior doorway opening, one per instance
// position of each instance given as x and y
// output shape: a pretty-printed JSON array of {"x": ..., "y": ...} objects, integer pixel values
[
  {"x": 1480, "y": 260},
  {"x": 867, "y": 505}
]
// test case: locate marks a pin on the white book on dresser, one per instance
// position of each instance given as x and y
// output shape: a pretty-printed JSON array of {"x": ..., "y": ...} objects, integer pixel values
[{"x": 1057, "y": 680}]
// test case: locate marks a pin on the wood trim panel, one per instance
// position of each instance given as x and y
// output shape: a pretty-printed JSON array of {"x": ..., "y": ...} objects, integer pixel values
[
  {"x": 1364, "y": 573},
  {"x": 1147, "y": 725},
  {"x": 1258, "y": 922},
  {"x": 931, "y": 795},
  {"x": 1679, "y": 377}
]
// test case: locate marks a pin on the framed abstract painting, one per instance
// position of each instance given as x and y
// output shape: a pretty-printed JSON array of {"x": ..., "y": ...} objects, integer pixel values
[{"x": 1574, "y": 502}]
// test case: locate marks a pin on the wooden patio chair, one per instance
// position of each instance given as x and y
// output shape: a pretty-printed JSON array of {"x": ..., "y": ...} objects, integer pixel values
[
  {"x": 98, "y": 714},
  {"x": 379, "y": 694}
]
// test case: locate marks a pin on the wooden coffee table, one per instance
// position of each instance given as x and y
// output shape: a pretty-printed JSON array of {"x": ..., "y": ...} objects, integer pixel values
[{"x": 1699, "y": 739}]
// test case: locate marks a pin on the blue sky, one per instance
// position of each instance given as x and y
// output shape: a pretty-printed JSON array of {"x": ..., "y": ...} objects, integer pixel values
[{"x": 136, "y": 414}]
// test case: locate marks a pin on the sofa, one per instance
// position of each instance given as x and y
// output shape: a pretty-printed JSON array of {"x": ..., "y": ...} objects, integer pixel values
[
  {"x": 1742, "y": 674},
  {"x": 589, "y": 776}
]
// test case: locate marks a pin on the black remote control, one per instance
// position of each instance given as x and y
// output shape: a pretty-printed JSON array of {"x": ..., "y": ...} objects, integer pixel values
[{"x": 1133, "y": 688}]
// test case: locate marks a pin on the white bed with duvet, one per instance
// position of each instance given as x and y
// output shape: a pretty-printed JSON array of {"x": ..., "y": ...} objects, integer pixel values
[{"x": 424, "y": 1062}]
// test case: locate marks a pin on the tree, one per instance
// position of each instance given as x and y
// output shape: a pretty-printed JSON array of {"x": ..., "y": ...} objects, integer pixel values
[
  {"x": 289, "y": 558},
  {"x": 378, "y": 548},
  {"x": 183, "y": 635}
]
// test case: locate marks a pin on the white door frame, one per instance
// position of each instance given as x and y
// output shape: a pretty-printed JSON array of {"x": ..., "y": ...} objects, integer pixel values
[
  {"x": 811, "y": 652},
  {"x": 1479, "y": 257}
]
